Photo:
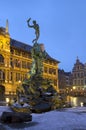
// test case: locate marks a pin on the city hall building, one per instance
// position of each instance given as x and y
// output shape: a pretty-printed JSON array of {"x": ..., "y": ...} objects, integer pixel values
[{"x": 15, "y": 62}]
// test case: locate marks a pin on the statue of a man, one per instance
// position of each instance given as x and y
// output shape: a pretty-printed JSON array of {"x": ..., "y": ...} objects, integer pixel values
[{"x": 36, "y": 27}]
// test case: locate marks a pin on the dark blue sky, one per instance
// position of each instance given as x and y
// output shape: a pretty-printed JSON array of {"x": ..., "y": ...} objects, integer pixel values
[{"x": 62, "y": 26}]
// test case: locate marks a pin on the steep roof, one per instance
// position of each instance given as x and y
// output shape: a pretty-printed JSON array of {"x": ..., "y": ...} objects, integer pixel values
[
  {"x": 26, "y": 47},
  {"x": 20, "y": 45}
]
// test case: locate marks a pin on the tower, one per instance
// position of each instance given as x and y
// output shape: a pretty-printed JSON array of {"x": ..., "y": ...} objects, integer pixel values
[
  {"x": 4, "y": 56},
  {"x": 4, "y": 38},
  {"x": 7, "y": 26}
]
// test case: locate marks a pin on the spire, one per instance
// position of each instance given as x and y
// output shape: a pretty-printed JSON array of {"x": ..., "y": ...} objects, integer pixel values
[
  {"x": 77, "y": 60},
  {"x": 7, "y": 26}
]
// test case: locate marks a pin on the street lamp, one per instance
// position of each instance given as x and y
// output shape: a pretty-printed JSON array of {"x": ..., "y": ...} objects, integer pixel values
[
  {"x": 7, "y": 101},
  {"x": 74, "y": 87},
  {"x": 19, "y": 81}
]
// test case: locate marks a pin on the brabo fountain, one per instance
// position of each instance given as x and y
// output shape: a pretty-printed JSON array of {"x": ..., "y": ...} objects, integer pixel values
[
  {"x": 36, "y": 93},
  {"x": 36, "y": 90}
]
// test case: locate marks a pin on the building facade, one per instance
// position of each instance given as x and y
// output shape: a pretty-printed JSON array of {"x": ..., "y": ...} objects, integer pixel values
[
  {"x": 79, "y": 75},
  {"x": 74, "y": 81},
  {"x": 64, "y": 80},
  {"x": 15, "y": 62}
]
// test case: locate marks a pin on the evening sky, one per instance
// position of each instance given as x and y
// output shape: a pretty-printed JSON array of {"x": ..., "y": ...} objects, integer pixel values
[{"x": 62, "y": 26}]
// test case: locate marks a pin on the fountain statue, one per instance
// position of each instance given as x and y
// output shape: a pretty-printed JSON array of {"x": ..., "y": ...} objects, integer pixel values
[
  {"x": 37, "y": 90},
  {"x": 38, "y": 52}
]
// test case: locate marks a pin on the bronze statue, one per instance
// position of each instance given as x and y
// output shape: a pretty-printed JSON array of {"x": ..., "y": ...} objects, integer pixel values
[
  {"x": 38, "y": 52},
  {"x": 36, "y": 27}
]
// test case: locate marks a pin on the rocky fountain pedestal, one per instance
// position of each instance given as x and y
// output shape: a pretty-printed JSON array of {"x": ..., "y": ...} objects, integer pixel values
[{"x": 38, "y": 91}]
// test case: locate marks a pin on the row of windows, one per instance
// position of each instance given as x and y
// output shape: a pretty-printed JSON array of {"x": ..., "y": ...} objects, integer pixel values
[
  {"x": 20, "y": 64},
  {"x": 78, "y": 67},
  {"x": 18, "y": 77},
  {"x": 50, "y": 62},
  {"x": 20, "y": 53},
  {"x": 27, "y": 55},
  {"x": 78, "y": 75},
  {"x": 79, "y": 82},
  {"x": 26, "y": 65},
  {"x": 50, "y": 70},
  {"x": 10, "y": 76}
]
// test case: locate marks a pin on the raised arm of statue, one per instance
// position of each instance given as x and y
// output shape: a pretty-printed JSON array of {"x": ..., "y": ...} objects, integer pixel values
[{"x": 28, "y": 22}]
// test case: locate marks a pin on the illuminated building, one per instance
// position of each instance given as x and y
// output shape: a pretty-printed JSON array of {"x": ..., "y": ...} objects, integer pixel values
[
  {"x": 79, "y": 75},
  {"x": 15, "y": 62}
]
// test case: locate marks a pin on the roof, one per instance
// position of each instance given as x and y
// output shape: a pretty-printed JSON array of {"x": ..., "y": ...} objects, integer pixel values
[
  {"x": 20, "y": 45},
  {"x": 26, "y": 47}
]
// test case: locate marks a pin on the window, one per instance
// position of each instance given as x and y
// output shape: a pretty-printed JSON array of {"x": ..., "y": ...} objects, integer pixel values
[
  {"x": 55, "y": 82},
  {"x": 45, "y": 70},
  {"x": 24, "y": 64},
  {"x": 77, "y": 67},
  {"x": 17, "y": 63},
  {"x": 74, "y": 82},
  {"x": 11, "y": 62},
  {"x": 81, "y": 74},
  {"x": 11, "y": 76},
  {"x": 24, "y": 54},
  {"x": 50, "y": 70},
  {"x": 17, "y": 52},
  {"x": 75, "y": 75},
  {"x": 24, "y": 76},
  {"x": 29, "y": 55},
  {"x": 28, "y": 65},
  {"x": 12, "y": 51},
  {"x": 81, "y": 82},
  {"x": 78, "y": 75},
  {"x": 78, "y": 82},
  {"x": 54, "y": 71},
  {"x": 1, "y": 59},
  {"x": 18, "y": 76},
  {"x": 2, "y": 75}
]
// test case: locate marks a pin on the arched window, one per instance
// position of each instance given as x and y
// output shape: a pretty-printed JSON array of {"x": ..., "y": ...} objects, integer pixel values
[{"x": 1, "y": 59}]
